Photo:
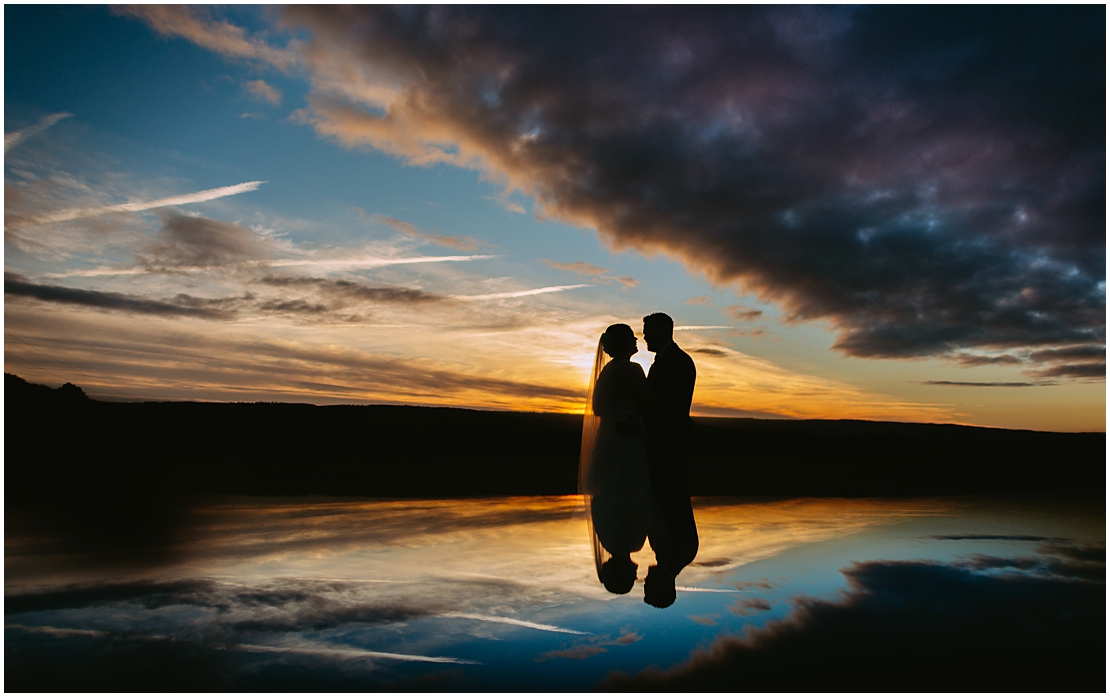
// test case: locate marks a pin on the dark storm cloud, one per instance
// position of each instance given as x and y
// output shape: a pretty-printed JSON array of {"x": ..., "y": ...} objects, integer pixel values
[
  {"x": 927, "y": 179},
  {"x": 913, "y": 626},
  {"x": 181, "y": 305},
  {"x": 192, "y": 241}
]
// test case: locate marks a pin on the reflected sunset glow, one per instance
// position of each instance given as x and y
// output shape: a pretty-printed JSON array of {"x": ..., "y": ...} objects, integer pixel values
[{"x": 497, "y": 586}]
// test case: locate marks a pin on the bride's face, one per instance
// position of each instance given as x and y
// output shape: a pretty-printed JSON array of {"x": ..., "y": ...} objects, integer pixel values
[{"x": 620, "y": 348}]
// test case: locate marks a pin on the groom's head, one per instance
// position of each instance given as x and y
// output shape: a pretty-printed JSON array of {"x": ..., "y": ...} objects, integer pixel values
[
  {"x": 659, "y": 590},
  {"x": 618, "y": 575},
  {"x": 658, "y": 328}
]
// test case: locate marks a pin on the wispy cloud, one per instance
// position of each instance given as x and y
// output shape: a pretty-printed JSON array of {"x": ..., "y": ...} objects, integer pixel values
[
  {"x": 182, "y": 305},
  {"x": 709, "y": 351},
  {"x": 743, "y": 313},
  {"x": 960, "y": 383},
  {"x": 336, "y": 652},
  {"x": 512, "y": 621},
  {"x": 465, "y": 244},
  {"x": 591, "y": 271},
  {"x": 370, "y": 262},
  {"x": 520, "y": 293},
  {"x": 695, "y": 327},
  {"x": 262, "y": 91},
  {"x": 188, "y": 242},
  {"x": 135, "y": 206},
  {"x": 593, "y": 647},
  {"x": 56, "y": 631},
  {"x": 324, "y": 651},
  {"x": 350, "y": 290},
  {"x": 322, "y": 265},
  {"x": 581, "y": 268},
  {"x": 504, "y": 202},
  {"x": 691, "y": 589},
  {"x": 218, "y": 36},
  {"x": 16, "y": 137}
]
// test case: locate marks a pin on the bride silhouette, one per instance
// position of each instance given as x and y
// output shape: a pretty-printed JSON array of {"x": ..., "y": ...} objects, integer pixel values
[{"x": 613, "y": 471}]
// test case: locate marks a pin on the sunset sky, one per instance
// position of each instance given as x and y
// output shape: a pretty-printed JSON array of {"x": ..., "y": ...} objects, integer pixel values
[{"x": 873, "y": 212}]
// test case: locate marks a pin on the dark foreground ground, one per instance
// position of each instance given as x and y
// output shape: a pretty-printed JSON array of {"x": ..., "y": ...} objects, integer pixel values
[{"x": 58, "y": 443}]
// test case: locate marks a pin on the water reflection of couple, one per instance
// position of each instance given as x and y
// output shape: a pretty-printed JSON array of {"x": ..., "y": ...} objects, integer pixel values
[{"x": 634, "y": 439}]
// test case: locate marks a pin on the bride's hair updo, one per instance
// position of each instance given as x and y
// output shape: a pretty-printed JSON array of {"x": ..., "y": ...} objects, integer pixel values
[{"x": 619, "y": 340}]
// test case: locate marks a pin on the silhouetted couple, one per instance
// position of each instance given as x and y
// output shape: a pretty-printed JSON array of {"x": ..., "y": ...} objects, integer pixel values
[{"x": 635, "y": 437}]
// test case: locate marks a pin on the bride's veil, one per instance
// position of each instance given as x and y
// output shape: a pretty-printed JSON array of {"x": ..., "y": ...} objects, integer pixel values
[{"x": 590, "y": 423}]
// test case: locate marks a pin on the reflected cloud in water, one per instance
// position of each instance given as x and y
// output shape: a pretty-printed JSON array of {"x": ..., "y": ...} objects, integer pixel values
[{"x": 503, "y": 594}]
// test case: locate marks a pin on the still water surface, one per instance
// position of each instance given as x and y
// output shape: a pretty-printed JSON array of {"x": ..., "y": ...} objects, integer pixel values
[{"x": 503, "y": 594}]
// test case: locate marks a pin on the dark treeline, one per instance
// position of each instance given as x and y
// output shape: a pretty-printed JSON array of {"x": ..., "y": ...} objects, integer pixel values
[{"x": 58, "y": 442}]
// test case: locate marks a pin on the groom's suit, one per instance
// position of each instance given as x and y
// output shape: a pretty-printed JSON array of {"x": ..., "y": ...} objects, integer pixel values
[{"x": 673, "y": 535}]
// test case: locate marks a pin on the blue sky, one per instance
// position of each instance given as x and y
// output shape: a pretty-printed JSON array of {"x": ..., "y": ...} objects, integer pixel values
[{"x": 268, "y": 294}]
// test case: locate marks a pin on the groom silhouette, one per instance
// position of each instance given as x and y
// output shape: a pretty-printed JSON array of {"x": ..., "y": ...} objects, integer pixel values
[{"x": 673, "y": 534}]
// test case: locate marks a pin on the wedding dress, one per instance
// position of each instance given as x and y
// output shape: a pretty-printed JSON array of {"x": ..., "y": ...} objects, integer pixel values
[{"x": 613, "y": 472}]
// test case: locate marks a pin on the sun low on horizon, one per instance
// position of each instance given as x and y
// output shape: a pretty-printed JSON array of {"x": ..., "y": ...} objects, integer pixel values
[{"x": 448, "y": 205}]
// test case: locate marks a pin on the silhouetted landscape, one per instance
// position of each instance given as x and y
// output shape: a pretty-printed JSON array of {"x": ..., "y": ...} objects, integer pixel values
[{"x": 59, "y": 442}]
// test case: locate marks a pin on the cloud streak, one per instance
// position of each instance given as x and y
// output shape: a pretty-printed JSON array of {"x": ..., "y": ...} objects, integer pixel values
[
  {"x": 16, "y": 137},
  {"x": 353, "y": 291},
  {"x": 513, "y": 621},
  {"x": 136, "y": 206},
  {"x": 183, "y": 305},
  {"x": 371, "y": 262},
  {"x": 335, "y": 652},
  {"x": 322, "y": 265},
  {"x": 520, "y": 293},
  {"x": 958, "y": 383}
]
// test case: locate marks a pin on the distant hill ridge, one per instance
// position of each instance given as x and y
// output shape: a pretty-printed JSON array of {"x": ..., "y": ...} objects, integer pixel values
[{"x": 61, "y": 440}]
